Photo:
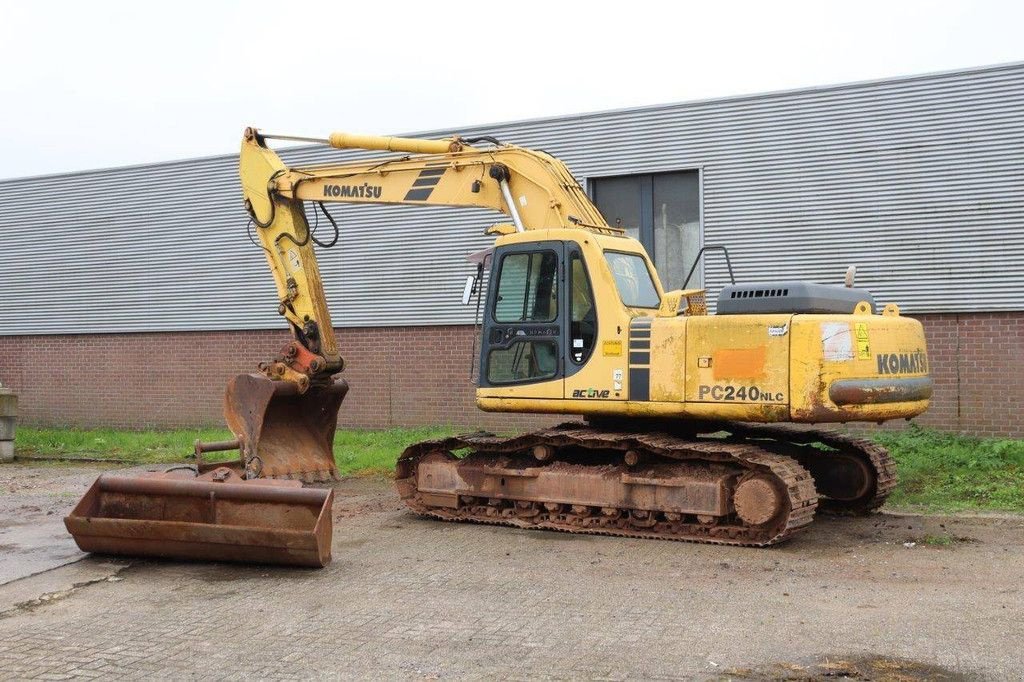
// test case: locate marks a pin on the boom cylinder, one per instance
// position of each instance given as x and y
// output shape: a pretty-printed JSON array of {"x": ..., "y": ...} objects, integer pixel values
[{"x": 393, "y": 144}]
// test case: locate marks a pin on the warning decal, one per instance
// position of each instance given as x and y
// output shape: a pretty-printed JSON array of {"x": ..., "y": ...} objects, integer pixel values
[{"x": 836, "y": 341}]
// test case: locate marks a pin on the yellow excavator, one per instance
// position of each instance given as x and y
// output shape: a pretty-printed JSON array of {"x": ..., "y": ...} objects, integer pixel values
[
  {"x": 694, "y": 424},
  {"x": 690, "y": 428}
]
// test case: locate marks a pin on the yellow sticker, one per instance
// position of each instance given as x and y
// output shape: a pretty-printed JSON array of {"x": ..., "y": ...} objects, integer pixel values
[
  {"x": 612, "y": 347},
  {"x": 863, "y": 347}
]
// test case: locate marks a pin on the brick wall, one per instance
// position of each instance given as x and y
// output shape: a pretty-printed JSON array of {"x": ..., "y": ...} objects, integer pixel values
[
  {"x": 401, "y": 376},
  {"x": 419, "y": 375},
  {"x": 977, "y": 362}
]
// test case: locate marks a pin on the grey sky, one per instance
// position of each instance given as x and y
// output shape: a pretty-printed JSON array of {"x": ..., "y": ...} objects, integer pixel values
[{"x": 98, "y": 84}]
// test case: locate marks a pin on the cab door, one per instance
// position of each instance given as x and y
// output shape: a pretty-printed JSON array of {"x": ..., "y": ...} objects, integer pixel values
[{"x": 522, "y": 353}]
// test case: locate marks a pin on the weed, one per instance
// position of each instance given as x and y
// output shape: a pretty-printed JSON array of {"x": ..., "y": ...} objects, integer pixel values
[
  {"x": 938, "y": 540},
  {"x": 947, "y": 472}
]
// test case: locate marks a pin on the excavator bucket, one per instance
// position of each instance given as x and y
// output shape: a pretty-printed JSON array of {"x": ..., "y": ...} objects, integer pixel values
[
  {"x": 283, "y": 433},
  {"x": 218, "y": 517}
]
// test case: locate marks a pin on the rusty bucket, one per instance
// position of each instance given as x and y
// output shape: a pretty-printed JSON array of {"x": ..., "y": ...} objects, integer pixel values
[
  {"x": 219, "y": 517},
  {"x": 281, "y": 432}
]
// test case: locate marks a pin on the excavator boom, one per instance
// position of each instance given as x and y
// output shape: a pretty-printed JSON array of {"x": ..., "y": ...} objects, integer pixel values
[{"x": 534, "y": 189}]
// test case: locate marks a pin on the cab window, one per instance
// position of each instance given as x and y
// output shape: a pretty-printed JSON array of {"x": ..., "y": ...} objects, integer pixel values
[
  {"x": 527, "y": 288},
  {"x": 523, "y": 361},
  {"x": 583, "y": 318},
  {"x": 633, "y": 280}
]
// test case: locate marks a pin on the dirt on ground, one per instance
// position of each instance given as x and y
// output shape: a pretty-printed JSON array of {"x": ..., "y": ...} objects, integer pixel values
[{"x": 893, "y": 596}]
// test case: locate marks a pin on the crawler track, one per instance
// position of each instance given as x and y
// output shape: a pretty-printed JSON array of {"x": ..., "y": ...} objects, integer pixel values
[
  {"x": 802, "y": 443},
  {"x": 591, "y": 449}
]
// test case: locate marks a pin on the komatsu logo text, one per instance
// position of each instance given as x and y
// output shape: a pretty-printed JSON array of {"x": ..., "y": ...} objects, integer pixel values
[
  {"x": 363, "y": 191},
  {"x": 902, "y": 363}
]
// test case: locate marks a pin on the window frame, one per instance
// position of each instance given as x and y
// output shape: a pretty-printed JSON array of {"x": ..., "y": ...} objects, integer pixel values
[
  {"x": 524, "y": 380},
  {"x": 495, "y": 335}
]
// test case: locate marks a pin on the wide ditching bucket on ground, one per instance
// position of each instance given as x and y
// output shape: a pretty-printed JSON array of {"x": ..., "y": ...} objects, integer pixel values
[
  {"x": 281, "y": 432},
  {"x": 219, "y": 517}
]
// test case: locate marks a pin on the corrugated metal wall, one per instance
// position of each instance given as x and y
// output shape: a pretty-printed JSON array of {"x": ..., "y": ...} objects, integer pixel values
[{"x": 918, "y": 181}]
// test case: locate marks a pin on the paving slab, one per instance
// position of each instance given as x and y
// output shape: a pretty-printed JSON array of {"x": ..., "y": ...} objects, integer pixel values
[{"x": 410, "y": 598}]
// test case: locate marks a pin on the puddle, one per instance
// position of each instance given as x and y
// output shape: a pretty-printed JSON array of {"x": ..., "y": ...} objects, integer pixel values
[{"x": 865, "y": 668}]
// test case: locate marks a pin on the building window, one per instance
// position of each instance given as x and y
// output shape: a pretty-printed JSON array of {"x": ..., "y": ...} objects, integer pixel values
[{"x": 663, "y": 212}]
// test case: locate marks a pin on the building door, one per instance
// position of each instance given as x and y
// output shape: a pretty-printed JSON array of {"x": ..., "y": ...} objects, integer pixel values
[{"x": 662, "y": 211}]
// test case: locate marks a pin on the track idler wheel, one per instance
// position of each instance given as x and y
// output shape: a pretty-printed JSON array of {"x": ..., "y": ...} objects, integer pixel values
[{"x": 757, "y": 500}]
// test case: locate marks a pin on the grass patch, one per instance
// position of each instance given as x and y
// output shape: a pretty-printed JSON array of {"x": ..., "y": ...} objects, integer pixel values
[
  {"x": 938, "y": 540},
  {"x": 938, "y": 471},
  {"x": 375, "y": 452},
  {"x": 142, "y": 447},
  {"x": 947, "y": 472},
  {"x": 355, "y": 451}
]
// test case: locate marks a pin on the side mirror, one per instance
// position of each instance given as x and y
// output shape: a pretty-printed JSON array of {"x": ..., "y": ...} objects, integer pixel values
[{"x": 467, "y": 293}]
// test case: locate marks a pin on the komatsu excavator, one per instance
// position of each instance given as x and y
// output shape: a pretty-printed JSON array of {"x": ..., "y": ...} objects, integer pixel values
[{"x": 693, "y": 422}]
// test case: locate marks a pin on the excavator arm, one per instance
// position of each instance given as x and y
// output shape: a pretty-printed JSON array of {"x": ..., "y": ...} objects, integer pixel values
[{"x": 534, "y": 189}]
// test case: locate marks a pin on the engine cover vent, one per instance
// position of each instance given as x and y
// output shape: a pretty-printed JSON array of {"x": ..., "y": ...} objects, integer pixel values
[{"x": 790, "y": 297}]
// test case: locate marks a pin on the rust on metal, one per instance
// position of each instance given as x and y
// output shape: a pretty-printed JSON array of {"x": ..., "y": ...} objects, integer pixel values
[
  {"x": 282, "y": 432},
  {"x": 215, "y": 446},
  {"x": 218, "y": 517},
  {"x": 757, "y": 500},
  {"x": 202, "y": 448},
  {"x": 758, "y": 486},
  {"x": 879, "y": 391},
  {"x": 852, "y": 475},
  {"x": 683, "y": 490}
]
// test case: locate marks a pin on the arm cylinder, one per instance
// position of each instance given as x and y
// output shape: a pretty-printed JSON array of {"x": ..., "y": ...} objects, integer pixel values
[{"x": 393, "y": 144}]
